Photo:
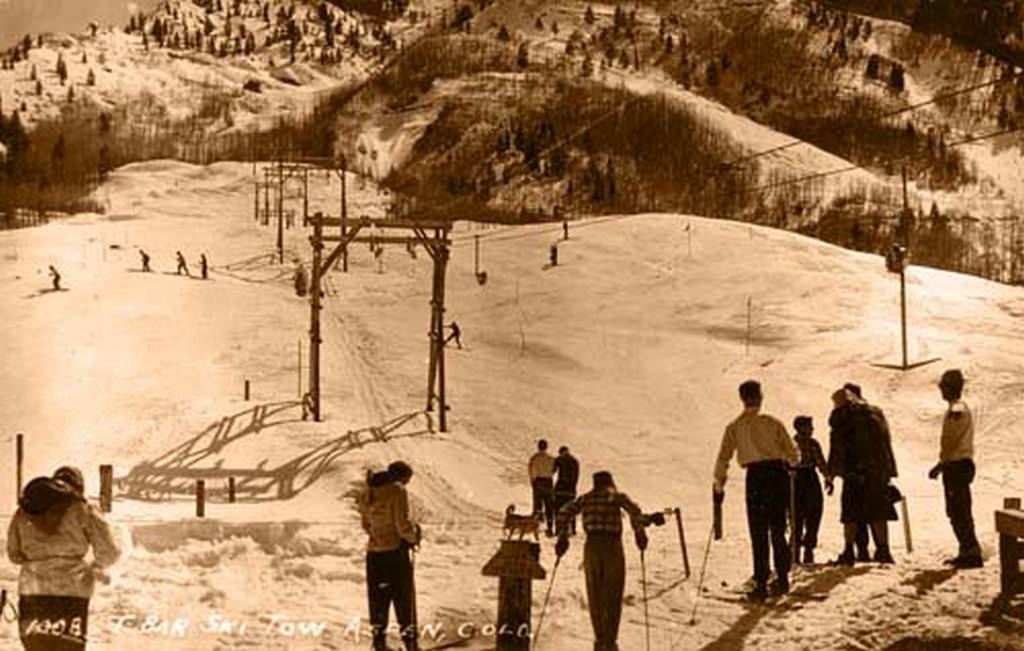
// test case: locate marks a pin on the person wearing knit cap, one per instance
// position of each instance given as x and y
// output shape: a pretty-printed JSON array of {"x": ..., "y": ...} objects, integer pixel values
[
  {"x": 956, "y": 465},
  {"x": 603, "y": 557},
  {"x": 49, "y": 537}
]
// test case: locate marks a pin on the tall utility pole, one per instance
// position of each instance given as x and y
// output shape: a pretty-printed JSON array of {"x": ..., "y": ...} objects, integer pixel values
[
  {"x": 314, "y": 317},
  {"x": 904, "y": 225},
  {"x": 280, "y": 210},
  {"x": 344, "y": 213}
]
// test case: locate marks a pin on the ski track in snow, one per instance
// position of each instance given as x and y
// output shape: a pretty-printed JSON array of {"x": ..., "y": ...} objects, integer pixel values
[{"x": 635, "y": 370}]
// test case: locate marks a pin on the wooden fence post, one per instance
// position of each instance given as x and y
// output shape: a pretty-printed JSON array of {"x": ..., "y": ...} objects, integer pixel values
[
  {"x": 106, "y": 487},
  {"x": 200, "y": 498}
]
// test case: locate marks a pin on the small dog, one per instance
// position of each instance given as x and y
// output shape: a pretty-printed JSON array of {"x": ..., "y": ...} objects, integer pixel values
[{"x": 524, "y": 524}]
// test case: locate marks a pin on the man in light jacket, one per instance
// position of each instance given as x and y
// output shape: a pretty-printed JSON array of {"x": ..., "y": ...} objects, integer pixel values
[
  {"x": 956, "y": 465},
  {"x": 389, "y": 571},
  {"x": 766, "y": 451},
  {"x": 542, "y": 470}
]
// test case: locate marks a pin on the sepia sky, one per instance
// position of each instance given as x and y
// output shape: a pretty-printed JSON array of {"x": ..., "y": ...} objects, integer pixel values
[{"x": 18, "y": 17}]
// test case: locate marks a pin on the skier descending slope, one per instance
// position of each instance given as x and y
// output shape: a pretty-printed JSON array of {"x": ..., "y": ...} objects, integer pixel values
[{"x": 763, "y": 447}]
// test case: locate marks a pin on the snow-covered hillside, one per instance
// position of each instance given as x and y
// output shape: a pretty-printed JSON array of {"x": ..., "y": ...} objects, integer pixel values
[
  {"x": 629, "y": 352},
  {"x": 240, "y": 56}
]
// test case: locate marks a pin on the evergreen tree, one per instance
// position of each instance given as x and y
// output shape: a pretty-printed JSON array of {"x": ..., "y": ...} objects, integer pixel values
[
  {"x": 62, "y": 68},
  {"x": 71, "y": 94},
  {"x": 33, "y": 76},
  {"x": 503, "y": 34},
  {"x": 588, "y": 16},
  {"x": 523, "y": 56},
  {"x": 39, "y": 88},
  {"x": 90, "y": 79}
]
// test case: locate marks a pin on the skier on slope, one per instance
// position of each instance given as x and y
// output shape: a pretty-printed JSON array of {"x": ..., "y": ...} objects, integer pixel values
[
  {"x": 956, "y": 465},
  {"x": 389, "y": 570},
  {"x": 568, "y": 471},
  {"x": 603, "y": 559},
  {"x": 456, "y": 334},
  {"x": 541, "y": 469},
  {"x": 808, "y": 498},
  {"x": 203, "y": 265},
  {"x": 181, "y": 265},
  {"x": 763, "y": 447},
  {"x": 55, "y": 275},
  {"x": 861, "y": 453},
  {"x": 145, "y": 260}
]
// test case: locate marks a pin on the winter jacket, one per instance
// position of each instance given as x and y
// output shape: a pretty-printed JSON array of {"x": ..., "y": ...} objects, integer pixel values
[
  {"x": 754, "y": 437},
  {"x": 568, "y": 469},
  {"x": 860, "y": 441},
  {"x": 957, "y": 433},
  {"x": 385, "y": 515},
  {"x": 54, "y": 564},
  {"x": 602, "y": 512}
]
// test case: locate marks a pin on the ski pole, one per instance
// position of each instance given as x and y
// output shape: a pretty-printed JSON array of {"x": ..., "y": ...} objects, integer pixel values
[
  {"x": 643, "y": 586},
  {"x": 700, "y": 582},
  {"x": 794, "y": 542},
  {"x": 547, "y": 597},
  {"x": 412, "y": 589}
]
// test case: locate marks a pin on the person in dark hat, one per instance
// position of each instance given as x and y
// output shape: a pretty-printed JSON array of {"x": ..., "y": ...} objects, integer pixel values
[
  {"x": 956, "y": 465},
  {"x": 764, "y": 449},
  {"x": 389, "y": 571},
  {"x": 808, "y": 499},
  {"x": 49, "y": 537},
  {"x": 603, "y": 558}
]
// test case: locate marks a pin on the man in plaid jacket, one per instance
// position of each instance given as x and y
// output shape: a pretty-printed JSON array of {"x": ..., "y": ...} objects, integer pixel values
[{"x": 603, "y": 559}]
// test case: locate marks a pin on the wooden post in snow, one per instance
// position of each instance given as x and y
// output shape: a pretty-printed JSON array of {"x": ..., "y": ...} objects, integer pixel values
[
  {"x": 200, "y": 498},
  {"x": 19, "y": 463},
  {"x": 106, "y": 488}
]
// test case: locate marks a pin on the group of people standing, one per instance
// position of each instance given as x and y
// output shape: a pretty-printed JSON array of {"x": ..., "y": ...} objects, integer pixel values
[
  {"x": 550, "y": 493},
  {"x": 782, "y": 474}
]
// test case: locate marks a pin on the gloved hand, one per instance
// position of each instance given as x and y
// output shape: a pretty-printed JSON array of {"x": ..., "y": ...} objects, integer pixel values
[
  {"x": 830, "y": 486},
  {"x": 657, "y": 519},
  {"x": 935, "y": 471},
  {"x": 641, "y": 539},
  {"x": 561, "y": 546},
  {"x": 718, "y": 495}
]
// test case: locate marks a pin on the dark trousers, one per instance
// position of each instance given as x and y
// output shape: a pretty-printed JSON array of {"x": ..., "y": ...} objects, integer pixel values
[
  {"x": 767, "y": 504},
  {"x": 389, "y": 580},
  {"x": 956, "y": 481},
  {"x": 544, "y": 500},
  {"x": 563, "y": 497},
  {"x": 809, "y": 504},
  {"x": 48, "y": 623},
  {"x": 605, "y": 568}
]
